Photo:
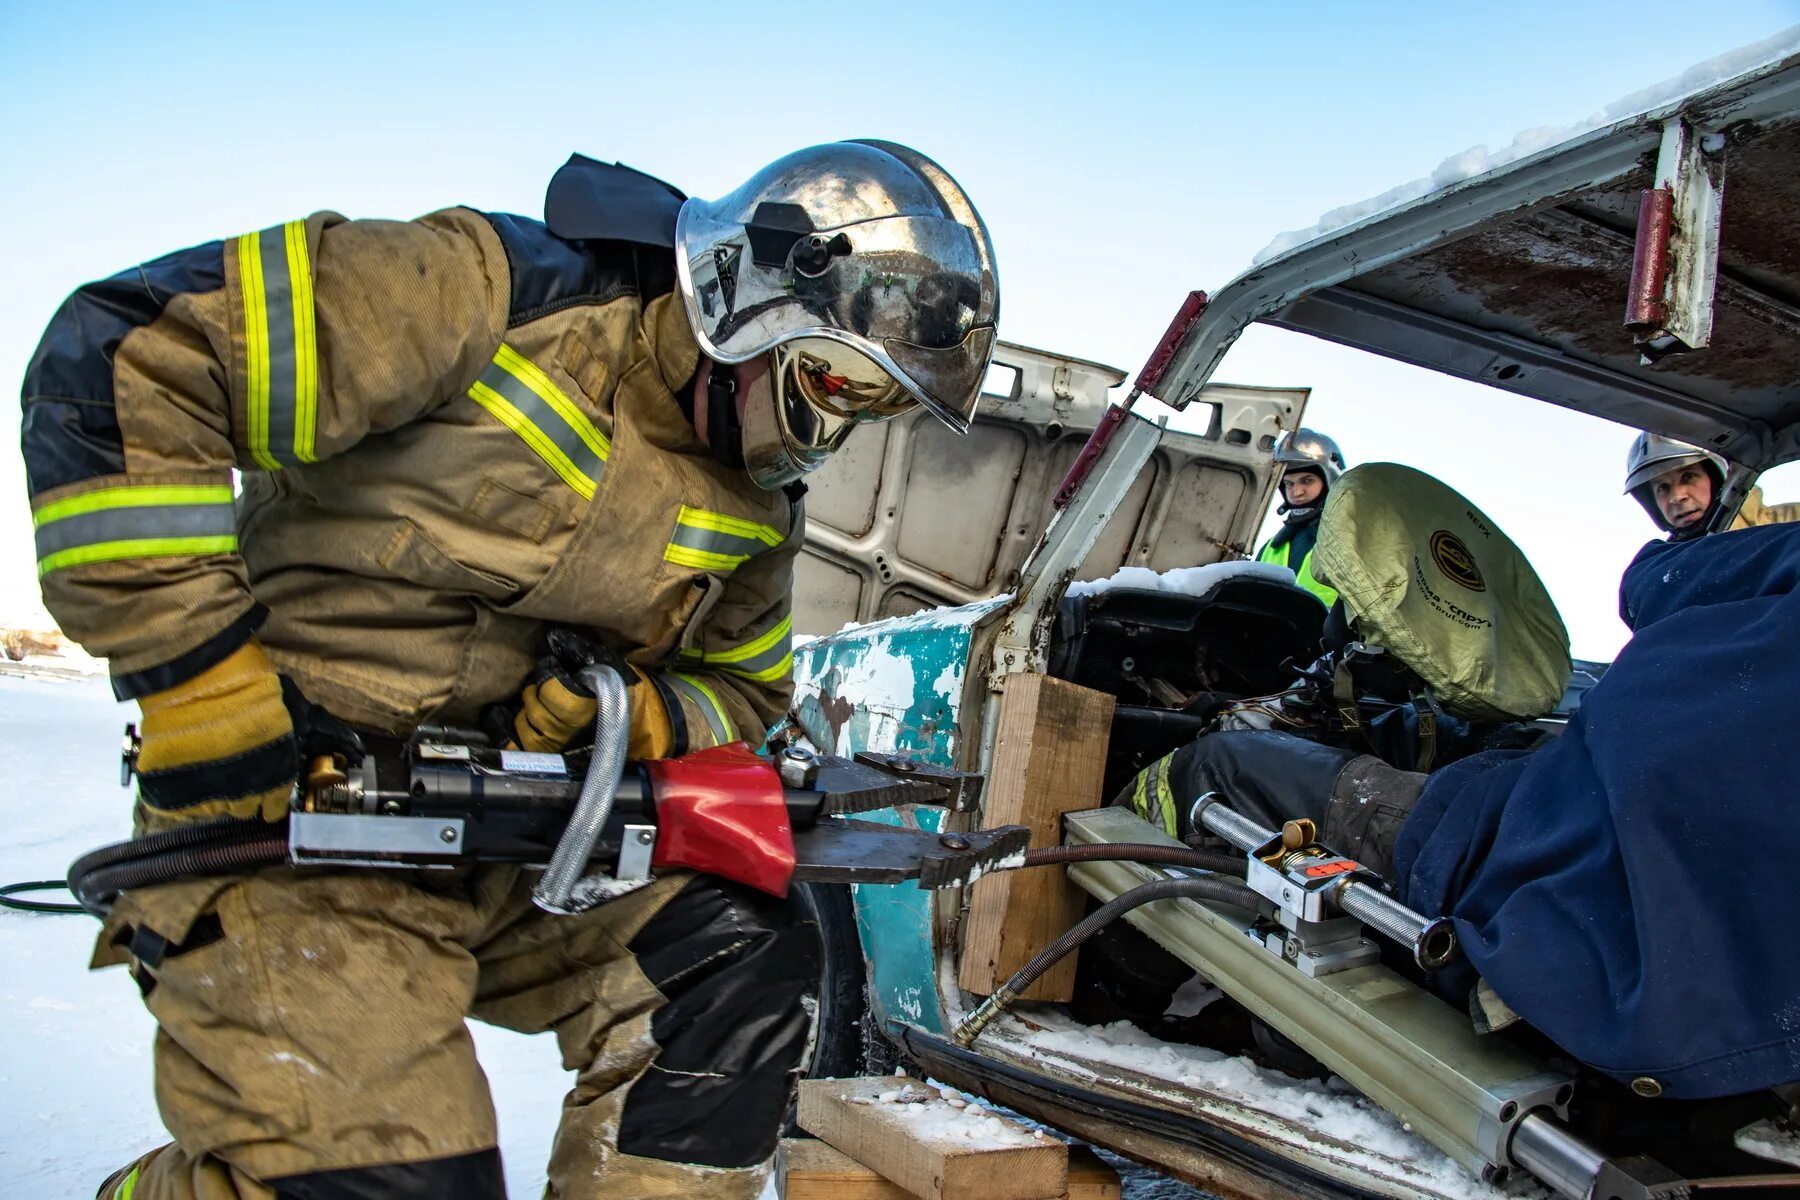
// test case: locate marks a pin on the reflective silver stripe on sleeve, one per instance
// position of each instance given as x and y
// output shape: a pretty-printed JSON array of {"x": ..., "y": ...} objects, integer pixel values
[
  {"x": 147, "y": 523},
  {"x": 281, "y": 360},
  {"x": 704, "y": 698},
  {"x": 766, "y": 659},
  {"x": 278, "y": 294}
]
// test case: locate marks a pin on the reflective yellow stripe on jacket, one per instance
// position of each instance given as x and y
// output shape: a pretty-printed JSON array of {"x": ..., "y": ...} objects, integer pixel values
[
  {"x": 699, "y": 694},
  {"x": 710, "y": 541},
  {"x": 528, "y": 402},
  {"x": 135, "y": 521},
  {"x": 764, "y": 659},
  {"x": 281, "y": 356},
  {"x": 1152, "y": 788},
  {"x": 128, "y": 1186}
]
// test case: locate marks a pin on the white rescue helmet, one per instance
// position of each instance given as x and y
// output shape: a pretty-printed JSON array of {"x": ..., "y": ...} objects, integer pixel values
[
  {"x": 866, "y": 274},
  {"x": 1651, "y": 455},
  {"x": 1308, "y": 449}
]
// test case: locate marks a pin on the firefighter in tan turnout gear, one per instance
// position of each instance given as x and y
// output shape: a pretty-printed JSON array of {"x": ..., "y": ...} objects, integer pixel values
[{"x": 455, "y": 434}]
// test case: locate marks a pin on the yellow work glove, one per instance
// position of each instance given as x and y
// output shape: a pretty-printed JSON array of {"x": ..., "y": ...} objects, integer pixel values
[
  {"x": 556, "y": 707},
  {"x": 218, "y": 745}
]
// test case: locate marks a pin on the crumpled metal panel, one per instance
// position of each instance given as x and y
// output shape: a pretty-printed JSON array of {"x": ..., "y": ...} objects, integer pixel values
[{"x": 907, "y": 516}]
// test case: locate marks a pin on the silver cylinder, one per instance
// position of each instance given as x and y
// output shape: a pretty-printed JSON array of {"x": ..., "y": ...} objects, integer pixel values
[
  {"x": 1210, "y": 811},
  {"x": 1559, "y": 1159},
  {"x": 612, "y": 729},
  {"x": 1432, "y": 941}
]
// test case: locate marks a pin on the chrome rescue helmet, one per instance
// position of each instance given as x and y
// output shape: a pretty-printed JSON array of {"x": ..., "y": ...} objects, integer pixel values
[
  {"x": 865, "y": 274},
  {"x": 1651, "y": 455},
  {"x": 1305, "y": 449}
]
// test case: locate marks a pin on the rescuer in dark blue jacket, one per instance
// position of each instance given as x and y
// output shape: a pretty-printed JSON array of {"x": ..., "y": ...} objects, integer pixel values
[{"x": 1625, "y": 888}]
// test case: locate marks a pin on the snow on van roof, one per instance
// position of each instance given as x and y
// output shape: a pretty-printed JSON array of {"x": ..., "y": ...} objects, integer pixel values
[
  {"x": 1193, "y": 581},
  {"x": 1477, "y": 160}
]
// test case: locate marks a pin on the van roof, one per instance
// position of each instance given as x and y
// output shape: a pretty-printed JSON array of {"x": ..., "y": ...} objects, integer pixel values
[{"x": 1518, "y": 277}]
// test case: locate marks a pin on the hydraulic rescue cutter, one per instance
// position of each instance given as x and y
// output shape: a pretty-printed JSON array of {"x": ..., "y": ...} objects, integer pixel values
[{"x": 447, "y": 798}]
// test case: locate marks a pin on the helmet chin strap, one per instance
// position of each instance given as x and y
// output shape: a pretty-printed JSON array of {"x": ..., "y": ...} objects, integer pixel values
[{"x": 723, "y": 425}]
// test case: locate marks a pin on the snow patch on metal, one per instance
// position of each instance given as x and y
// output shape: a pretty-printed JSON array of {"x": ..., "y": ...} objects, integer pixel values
[
  {"x": 1328, "y": 1126},
  {"x": 1479, "y": 160},
  {"x": 1189, "y": 581},
  {"x": 1766, "y": 1139}
]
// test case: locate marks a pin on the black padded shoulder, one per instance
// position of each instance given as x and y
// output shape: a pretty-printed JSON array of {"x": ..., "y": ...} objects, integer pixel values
[
  {"x": 589, "y": 200},
  {"x": 551, "y": 272},
  {"x": 70, "y": 431}
]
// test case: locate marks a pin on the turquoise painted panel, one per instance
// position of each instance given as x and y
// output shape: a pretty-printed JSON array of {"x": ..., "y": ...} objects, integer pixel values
[{"x": 896, "y": 687}]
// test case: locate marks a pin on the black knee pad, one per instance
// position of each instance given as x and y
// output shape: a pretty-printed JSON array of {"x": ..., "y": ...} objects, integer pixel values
[
  {"x": 736, "y": 967},
  {"x": 465, "y": 1177}
]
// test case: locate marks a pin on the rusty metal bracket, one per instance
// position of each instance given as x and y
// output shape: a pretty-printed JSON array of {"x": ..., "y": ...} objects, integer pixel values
[{"x": 1675, "y": 263}]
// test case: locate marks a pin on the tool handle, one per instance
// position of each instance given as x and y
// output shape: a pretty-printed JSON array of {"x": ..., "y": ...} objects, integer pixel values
[
  {"x": 1432, "y": 941},
  {"x": 612, "y": 723},
  {"x": 1211, "y": 811}
]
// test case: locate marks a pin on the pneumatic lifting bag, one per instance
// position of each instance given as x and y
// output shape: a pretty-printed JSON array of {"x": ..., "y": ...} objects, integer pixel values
[{"x": 1427, "y": 576}]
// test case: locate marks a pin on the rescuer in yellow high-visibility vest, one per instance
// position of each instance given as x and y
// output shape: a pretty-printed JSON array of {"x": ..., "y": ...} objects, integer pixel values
[{"x": 1312, "y": 463}]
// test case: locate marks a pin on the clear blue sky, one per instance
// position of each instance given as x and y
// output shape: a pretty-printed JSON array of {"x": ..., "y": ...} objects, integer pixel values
[{"x": 1121, "y": 154}]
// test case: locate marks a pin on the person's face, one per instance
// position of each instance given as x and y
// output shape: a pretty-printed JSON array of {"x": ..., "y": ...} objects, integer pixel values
[
  {"x": 1682, "y": 495},
  {"x": 1301, "y": 487}
]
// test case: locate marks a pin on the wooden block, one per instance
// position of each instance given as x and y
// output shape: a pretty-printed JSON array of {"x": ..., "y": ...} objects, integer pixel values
[
  {"x": 812, "y": 1170},
  {"x": 1049, "y": 758},
  {"x": 915, "y": 1146}
]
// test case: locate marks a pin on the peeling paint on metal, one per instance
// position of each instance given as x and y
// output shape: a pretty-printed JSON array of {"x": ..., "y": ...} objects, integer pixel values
[{"x": 893, "y": 686}]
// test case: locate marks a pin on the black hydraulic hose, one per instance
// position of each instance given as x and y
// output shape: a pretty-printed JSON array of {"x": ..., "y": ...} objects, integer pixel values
[
  {"x": 1220, "y": 861},
  {"x": 97, "y": 887},
  {"x": 1197, "y": 888},
  {"x": 211, "y": 833},
  {"x": 9, "y": 897},
  {"x": 208, "y": 832}
]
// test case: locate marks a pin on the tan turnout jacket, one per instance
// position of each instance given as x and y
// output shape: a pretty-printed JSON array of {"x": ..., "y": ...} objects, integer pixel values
[
  {"x": 447, "y": 433},
  {"x": 1754, "y": 512}
]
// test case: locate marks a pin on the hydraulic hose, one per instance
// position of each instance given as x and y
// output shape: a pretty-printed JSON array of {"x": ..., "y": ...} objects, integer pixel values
[
  {"x": 1198, "y": 888},
  {"x": 612, "y": 729},
  {"x": 9, "y": 897},
  {"x": 234, "y": 849},
  {"x": 1175, "y": 856},
  {"x": 209, "y": 832}
]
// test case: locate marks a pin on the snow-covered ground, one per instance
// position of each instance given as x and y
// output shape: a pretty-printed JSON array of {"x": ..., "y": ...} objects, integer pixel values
[
  {"x": 75, "y": 1096},
  {"x": 75, "y": 1099}
]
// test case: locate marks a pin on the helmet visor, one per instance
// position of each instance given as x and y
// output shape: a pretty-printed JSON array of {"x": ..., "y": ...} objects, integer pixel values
[
  {"x": 912, "y": 294},
  {"x": 835, "y": 381},
  {"x": 1649, "y": 469}
]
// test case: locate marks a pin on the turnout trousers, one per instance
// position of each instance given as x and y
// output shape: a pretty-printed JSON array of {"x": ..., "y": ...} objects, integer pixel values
[{"x": 311, "y": 1042}]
